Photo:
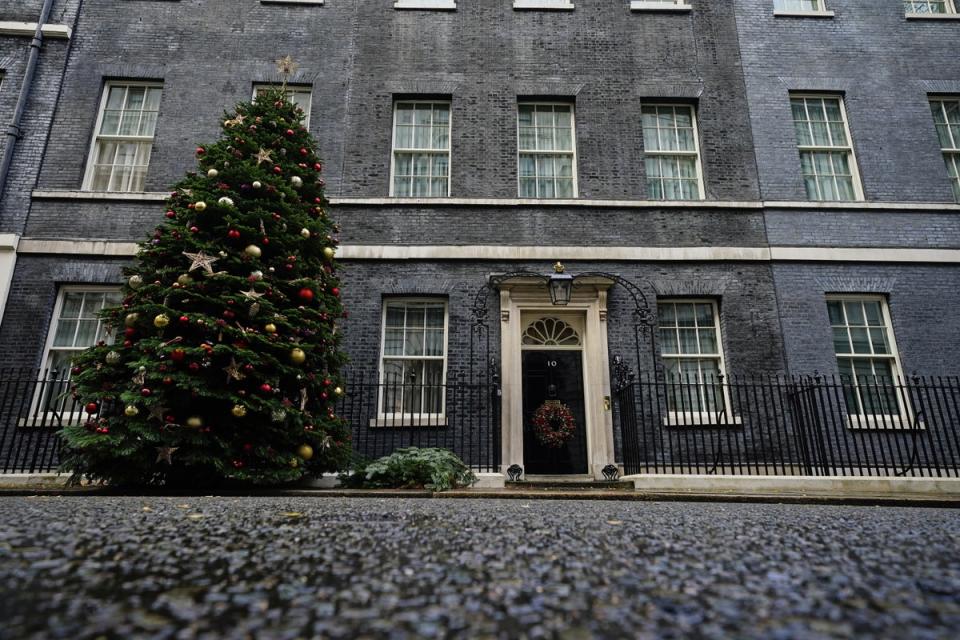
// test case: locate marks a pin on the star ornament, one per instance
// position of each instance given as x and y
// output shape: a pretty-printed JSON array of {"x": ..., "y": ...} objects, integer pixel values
[
  {"x": 201, "y": 261},
  {"x": 286, "y": 66},
  {"x": 157, "y": 412},
  {"x": 165, "y": 454},
  {"x": 252, "y": 294},
  {"x": 264, "y": 155},
  {"x": 233, "y": 371}
]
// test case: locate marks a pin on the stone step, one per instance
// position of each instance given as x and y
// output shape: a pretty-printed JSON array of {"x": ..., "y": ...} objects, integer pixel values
[{"x": 579, "y": 485}]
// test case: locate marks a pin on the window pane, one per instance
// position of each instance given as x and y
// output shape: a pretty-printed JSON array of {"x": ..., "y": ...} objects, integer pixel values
[
  {"x": 841, "y": 340},
  {"x": 860, "y": 339},
  {"x": 854, "y": 311},
  {"x": 685, "y": 315},
  {"x": 688, "y": 341},
  {"x": 668, "y": 341}
]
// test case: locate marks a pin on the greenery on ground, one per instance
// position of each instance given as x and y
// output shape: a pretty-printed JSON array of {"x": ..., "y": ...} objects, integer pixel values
[{"x": 413, "y": 468}]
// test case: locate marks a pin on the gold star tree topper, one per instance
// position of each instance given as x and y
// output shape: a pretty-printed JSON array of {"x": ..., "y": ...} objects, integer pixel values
[{"x": 286, "y": 67}]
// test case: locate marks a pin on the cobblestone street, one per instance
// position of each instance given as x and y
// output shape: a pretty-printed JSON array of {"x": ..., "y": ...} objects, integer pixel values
[{"x": 88, "y": 567}]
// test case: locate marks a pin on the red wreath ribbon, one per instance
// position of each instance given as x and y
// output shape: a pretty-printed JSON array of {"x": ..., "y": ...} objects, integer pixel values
[{"x": 553, "y": 424}]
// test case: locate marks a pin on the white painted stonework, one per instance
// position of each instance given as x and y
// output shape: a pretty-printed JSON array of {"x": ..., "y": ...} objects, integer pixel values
[{"x": 521, "y": 301}]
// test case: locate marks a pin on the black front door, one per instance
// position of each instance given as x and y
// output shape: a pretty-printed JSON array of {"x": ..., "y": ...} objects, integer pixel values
[{"x": 553, "y": 375}]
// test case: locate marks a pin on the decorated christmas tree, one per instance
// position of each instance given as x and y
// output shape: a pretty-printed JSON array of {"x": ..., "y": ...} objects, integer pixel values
[{"x": 224, "y": 363}]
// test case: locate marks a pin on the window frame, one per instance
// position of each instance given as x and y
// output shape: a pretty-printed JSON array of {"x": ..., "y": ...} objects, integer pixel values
[
  {"x": 394, "y": 150},
  {"x": 858, "y": 192},
  {"x": 697, "y": 152},
  {"x": 691, "y": 418},
  {"x": 575, "y": 173},
  {"x": 290, "y": 88},
  {"x": 950, "y": 9},
  {"x": 89, "y": 173},
  {"x": 954, "y": 151},
  {"x": 403, "y": 418},
  {"x": 821, "y": 11},
  {"x": 39, "y": 407},
  {"x": 660, "y": 5},
  {"x": 859, "y": 420}
]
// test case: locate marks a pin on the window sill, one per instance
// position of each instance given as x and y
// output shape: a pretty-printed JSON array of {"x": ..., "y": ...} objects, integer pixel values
[
  {"x": 433, "y": 5},
  {"x": 543, "y": 5},
  {"x": 399, "y": 422},
  {"x": 27, "y": 29},
  {"x": 313, "y": 2},
  {"x": 134, "y": 196},
  {"x": 50, "y": 421},
  {"x": 932, "y": 16},
  {"x": 683, "y": 420},
  {"x": 882, "y": 423},
  {"x": 803, "y": 14},
  {"x": 647, "y": 5}
]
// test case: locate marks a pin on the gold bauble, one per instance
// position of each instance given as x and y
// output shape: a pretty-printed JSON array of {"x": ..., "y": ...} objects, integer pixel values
[
  {"x": 161, "y": 321},
  {"x": 239, "y": 410},
  {"x": 112, "y": 357},
  {"x": 305, "y": 451},
  {"x": 131, "y": 411},
  {"x": 200, "y": 206},
  {"x": 131, "y": 319},
  {"x": 270, "y": 328},
  {"x": 297, "y": 356},
  {"x": 184, "y": 280},
  {"x": 328, "y": 253},
  {"x": 338, "y": 391},
  {"x": 212, "y": 173},
  {"x": 194, "y": 422},
  {"x": 253, "y": 251},
  {"x": 305, "y": 232},
  {"x": 294, "y": 463},
  {"x": 135, "y": 282}
]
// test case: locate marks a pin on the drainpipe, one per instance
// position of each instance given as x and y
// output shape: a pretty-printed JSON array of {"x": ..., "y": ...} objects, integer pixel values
[{"x": 13, "y": 129}]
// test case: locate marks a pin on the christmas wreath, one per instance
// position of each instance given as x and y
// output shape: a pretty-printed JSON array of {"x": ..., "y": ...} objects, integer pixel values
[{"x": 553, "y": 424}]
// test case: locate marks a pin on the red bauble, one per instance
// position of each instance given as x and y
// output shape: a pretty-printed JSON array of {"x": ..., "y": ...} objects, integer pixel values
[
  {"x": 335, "y": 291},
  {"x": 289, "y": 132},
  {"x": 303, "y": 151},
  {"x": 171, "y": 419},
  {"x": 266, "y": 388},
  {"x": 277, "y": 170},
  {"x": 233, "y": 234},
  {"x": 238, "y": 464},
  {"x": 128, "y": 343},
  {"x": 201, "y": 151},
  {"x": 229, "y": 315},
  {"x": 129, "y": 332},
  {"x": 91, "y": 407},
  {"x": 168, "y": 380},
  {"x": 76, "y": 370},
  {"x": 318, "y": 167},
  {"x": 194, "y": 366},
  {"x": 184, "y": 319},
  {"x": 306, "y": 294},
  {"x": 193, "y": 230},
  {"x": 145, "y": 392},
  {"x": 177, "y": 355},
  {"x": 327, "y": 382},
  {"x": 170, "y": 214},
  {"x": 248, "y": 368}
]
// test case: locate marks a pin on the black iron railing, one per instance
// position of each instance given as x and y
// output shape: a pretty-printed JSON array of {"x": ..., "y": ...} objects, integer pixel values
[
  {"x": 462, "y": 415},
  {"x": 803, "y": 425},
  {"x": 34, "y": 406}
]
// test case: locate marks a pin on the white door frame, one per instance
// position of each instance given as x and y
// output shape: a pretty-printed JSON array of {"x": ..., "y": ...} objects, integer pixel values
[{"x": 520, "y": 295}]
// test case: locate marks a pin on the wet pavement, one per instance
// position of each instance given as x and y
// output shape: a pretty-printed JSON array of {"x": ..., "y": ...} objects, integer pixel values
[{"x": 303, "y": 567}]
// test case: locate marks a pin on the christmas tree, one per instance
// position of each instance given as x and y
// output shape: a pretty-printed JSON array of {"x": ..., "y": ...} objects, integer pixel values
[{"x": 225, "y": 362}]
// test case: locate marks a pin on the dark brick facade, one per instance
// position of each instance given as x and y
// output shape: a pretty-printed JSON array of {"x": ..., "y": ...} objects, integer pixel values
[{"x": 733, "y": 59}]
